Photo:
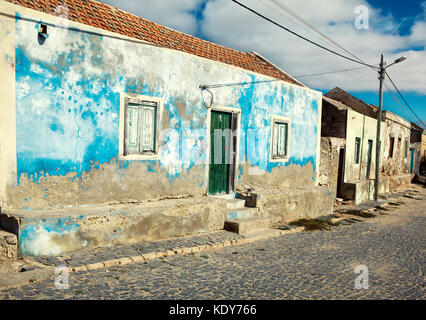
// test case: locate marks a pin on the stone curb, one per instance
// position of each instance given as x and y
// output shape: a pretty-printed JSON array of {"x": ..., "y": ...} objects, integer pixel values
[{"x": 179, "y": 251}]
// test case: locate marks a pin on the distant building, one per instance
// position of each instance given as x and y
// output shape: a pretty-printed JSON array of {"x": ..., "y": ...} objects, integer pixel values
[
  {"x": 348, "y": 145},
  {"x": 349, "y": 129},
  {"x": 414, "y": 156},
  {"x": 423, "y": 152}
]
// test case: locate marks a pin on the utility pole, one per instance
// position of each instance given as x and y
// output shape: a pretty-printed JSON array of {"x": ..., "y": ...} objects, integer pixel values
[{"x": 382, "y": 73}]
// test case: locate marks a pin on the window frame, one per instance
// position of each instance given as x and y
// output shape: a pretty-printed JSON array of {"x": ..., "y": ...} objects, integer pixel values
[
  {"x": 391, "y": 147},
  {"x": 357, "y": 151},
  {"x": 406, "y": 149},
  {"x": 126, "y": 100},
  {"x": 280, "y": 120}
]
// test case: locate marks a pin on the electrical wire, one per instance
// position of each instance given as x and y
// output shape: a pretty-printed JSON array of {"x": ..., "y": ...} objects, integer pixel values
[
  {"x": 302, "y": 37},
  {"x": 310, "y": 26},
  {"x": 330, "y": 72},
  {"x": 235, "y": 84},
  {"x": 397, "y": 90},
  {"x": 397, "y": 100},
  {"x": 291, "y": 20},
  {"x": 320, "y": 46}
]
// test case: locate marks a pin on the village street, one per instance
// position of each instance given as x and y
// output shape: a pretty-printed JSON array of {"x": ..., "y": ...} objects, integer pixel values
[{"x": 304, "y": 265}]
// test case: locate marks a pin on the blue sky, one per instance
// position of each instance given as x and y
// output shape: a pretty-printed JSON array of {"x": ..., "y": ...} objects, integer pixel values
[
  {"x": 404, "y": 12},
  {"x": 395, "y": 28}
]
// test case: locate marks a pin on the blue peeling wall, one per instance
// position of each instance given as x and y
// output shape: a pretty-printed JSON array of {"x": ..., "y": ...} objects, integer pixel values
[{"x": 68, "y": 112}]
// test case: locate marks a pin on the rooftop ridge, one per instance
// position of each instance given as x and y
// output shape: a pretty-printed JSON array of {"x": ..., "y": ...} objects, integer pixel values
[{"x": 110, "y": 18}]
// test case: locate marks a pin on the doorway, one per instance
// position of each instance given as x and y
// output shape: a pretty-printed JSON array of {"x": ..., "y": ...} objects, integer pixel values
[
  {"x": 411, "y": 161},
  {"x": 341, "y": 172},
  {"x": 223, "y": 146},
  {"x": 369, "y": 154}
]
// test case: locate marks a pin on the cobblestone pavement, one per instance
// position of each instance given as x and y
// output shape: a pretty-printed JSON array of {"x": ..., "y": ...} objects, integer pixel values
[
  {"x": 83, "y": 257},
  {"x": 306, "y": 265}
]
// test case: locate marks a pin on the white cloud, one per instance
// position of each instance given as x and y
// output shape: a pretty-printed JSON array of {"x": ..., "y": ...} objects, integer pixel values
[
  {"x": 243, "y": 30},
  {"x": 228, "y": 24},
  {"x": 174, "y": 14}
]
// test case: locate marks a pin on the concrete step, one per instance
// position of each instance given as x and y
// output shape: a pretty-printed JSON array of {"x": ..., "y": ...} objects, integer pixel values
[
  {"x": 235, "y": 204},
  {"x": 8, "y": 245},
  {"x": 246, "y": 226},
  {"x": 241, "y": 213}
]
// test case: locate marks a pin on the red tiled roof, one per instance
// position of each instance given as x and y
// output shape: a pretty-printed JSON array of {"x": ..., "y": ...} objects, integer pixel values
[{"x": 103, "y": 16}]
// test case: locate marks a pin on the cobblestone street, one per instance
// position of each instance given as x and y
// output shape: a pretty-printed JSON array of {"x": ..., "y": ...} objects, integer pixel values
[{"x": 305, "y": 265}]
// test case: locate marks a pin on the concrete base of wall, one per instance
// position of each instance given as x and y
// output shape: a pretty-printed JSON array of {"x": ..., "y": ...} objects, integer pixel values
[
  {"x": 398, "y": 181},
  {"x": 362, "y": 191},
  {"x": 288, "y": 204},
  {"x": 54, "y": 232}
]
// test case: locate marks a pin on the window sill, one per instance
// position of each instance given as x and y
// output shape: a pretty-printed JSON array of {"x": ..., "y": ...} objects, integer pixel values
[
  {"x": 136, "y": 157},
  {"x": 279, "y": 159}
]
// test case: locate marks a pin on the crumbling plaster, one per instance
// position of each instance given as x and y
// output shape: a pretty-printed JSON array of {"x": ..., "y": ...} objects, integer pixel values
[
  {"x": 68, "y": 93},
  {"x": 400, "y": 130}
]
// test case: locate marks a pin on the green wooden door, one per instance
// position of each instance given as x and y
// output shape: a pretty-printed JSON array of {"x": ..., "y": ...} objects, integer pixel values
[{"x": 219, "y": 152}]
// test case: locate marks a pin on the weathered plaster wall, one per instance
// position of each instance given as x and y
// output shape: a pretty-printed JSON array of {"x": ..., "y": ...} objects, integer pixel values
[
  {"x": 423, "y": 150},
  {"x": 364, "y": 127},
  {"x": 283, "y": 205},
  {"x": 67, "y": 120},
  {"x": 399, "y": 129},
  {"x": 329, "y": 167},
  {"x": 7, "y": 103}
]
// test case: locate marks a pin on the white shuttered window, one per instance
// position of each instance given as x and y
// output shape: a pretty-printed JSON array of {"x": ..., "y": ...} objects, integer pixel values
[
  {"x": 280, "y": 140},
  {"x": 140, "y": 128}
]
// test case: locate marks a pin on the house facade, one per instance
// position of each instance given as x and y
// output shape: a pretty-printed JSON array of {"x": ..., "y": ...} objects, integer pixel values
[
  {"x": 350, "y": 126},
  {"x": 414, "y": 156},
  {"x": 348, "y": 145},
  {"x": 103, "y": 107},
  {"x": 423, "y": 152}
]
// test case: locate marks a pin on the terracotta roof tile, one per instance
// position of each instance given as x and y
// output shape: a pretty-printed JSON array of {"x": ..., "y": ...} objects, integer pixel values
[{"x": 103, "y": 16}]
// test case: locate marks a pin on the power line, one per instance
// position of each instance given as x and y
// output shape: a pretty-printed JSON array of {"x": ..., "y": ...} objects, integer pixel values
[
  {"x": 330, "y": 72},
  {"x": 320, "y": 46},
  {"x": 397, "y": 101},
  {"x": 289, "y": 19},
  {"x": 235, "y": 84},
  {"x": 300, "y": 36},
  {"x": 397, "y": 90},
  {"x": 295, "y": 15}
]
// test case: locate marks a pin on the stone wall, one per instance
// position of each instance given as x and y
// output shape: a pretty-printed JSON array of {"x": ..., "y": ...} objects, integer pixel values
[
  {"x": 8, "y": 245},
  {"x": 286, "y": 204},
  {"x": 329, "y": 167}
]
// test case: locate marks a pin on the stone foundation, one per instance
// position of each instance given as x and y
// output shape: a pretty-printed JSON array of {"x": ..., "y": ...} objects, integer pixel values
[
  {"x": 290, "y": 203},
  {"x": 49, "y": 232},
  {"x": 54, "y": 232}
]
